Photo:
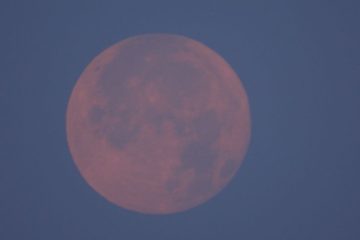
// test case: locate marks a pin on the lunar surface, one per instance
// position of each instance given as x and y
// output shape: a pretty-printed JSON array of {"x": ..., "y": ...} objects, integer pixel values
[{"x": 158, "y": 123}]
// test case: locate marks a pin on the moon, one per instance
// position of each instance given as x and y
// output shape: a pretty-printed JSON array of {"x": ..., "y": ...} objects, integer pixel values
[{"x": 158, "y": 123}]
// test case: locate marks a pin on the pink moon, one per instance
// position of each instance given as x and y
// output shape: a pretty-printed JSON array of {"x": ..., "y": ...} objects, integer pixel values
[{"x": 158, "y": 123}]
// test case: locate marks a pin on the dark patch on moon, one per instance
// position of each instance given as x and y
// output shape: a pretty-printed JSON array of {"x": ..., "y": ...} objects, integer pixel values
[
  {"x": 198, "y": 156},
  {"x": 207, "y": 127},
  {"x": 114, "y": 87},
  {"x": 172, "y": 184},
  {"x": 179, "y": 77},
  {"x": 131, "y": 61},
  {"x": 201, "y": 185},
  {"x": 201, "y": 158},
  {"x": 178, "y": 80},
  {"x": 158, "y": 119},
  {"x": 181, "y": 128},
  {"x": 119, "y": 135},
  {"x": 96, "y": 114},
  {"x": 120, "y": 132}
]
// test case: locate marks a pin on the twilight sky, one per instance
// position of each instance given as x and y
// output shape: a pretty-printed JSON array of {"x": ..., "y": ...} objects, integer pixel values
[{"x": 299, "y": 62}]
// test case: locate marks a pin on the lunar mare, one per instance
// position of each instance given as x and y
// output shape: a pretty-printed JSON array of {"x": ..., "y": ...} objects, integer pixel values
[{"x": 158, "y": 123}]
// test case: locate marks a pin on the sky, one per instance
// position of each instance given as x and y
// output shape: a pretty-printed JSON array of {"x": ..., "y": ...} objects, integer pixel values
[{"x": 299, "y": 62}]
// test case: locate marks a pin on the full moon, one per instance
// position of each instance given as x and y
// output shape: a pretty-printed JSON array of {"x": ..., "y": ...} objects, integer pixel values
[{"x": 158, "y": 123}]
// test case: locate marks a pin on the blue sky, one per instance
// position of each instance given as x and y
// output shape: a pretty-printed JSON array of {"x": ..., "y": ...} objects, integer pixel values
[{"x": 299, "y": 62}]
